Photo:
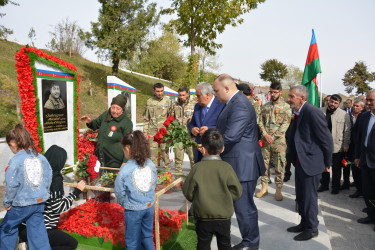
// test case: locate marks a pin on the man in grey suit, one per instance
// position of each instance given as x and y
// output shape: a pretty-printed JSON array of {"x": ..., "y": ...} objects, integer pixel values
[
  {"x": 237, "y": 122},
  {"x": 365, "y": 156},
  {"x": 310, "y": 150}
]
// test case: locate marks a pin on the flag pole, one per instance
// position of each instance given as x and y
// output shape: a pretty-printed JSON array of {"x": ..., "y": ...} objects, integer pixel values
[{"x": 321, "y": 89}]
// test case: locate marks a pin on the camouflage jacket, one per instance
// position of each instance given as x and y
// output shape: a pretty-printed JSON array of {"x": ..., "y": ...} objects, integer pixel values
[
  {"x": 183, "y": 111},
  {"x": 275, "y": 119},
  {"x": 156, "y": 112},
  {"x": 256, "y": 107}
]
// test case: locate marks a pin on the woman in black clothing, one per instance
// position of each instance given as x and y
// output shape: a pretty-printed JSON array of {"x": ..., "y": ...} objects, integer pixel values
[{"x": 57, "y": 203}]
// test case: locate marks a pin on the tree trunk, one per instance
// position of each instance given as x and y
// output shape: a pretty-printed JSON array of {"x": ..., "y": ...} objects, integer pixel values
[
  {"x": 115, "y": 64},
  {"x": 192, "y": 34}
]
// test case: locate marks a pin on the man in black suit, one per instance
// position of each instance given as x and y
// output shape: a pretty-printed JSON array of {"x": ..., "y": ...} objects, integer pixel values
[
  {"x": 237, "y": 122},
  {"x": 365, "y": 157},
  {"x": 310, "y": 150},
  {"x": 348, "y": 106}
]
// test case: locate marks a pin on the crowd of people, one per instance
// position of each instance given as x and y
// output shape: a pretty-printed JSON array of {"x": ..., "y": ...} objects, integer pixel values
[{"x": 240, "y": 139}]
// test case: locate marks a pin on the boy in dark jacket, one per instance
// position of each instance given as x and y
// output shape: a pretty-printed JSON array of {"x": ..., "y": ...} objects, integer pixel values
[{"x": 212, "y": 186}]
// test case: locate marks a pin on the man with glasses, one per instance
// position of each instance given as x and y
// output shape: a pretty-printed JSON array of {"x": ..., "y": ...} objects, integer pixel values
[{"x": 274, "y": 121}]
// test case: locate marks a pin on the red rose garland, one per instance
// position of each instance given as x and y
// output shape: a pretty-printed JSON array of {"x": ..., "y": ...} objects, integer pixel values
[{"x": 26, "y": 88}]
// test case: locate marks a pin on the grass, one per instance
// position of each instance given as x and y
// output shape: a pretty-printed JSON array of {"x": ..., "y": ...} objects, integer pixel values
[{"x": 93, "y": 75}]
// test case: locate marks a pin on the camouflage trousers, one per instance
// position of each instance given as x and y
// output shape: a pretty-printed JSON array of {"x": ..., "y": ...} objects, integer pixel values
[
  {"x": 179, "y": 157},
  {"x": 278, "y": 154},
  {"x": 154, "y": 151}
]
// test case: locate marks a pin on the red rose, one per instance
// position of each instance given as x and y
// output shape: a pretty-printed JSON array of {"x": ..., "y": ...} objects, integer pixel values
[
  {"x": 344, "y": 162},
  {"x": 168, "y": 121},
  {"x": 158, "y": 137},
  {"x": 261, "y": 143},
  {"x": 163, "y": 131}
]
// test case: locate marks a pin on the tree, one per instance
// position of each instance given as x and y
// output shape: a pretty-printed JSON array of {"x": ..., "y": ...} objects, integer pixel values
[
  {"x": 4, "y": 31},
  {"x": 162, "y": 58},
  {"x": 66, "y": 38},
  {"x": 32, "y": 35},
  {"x": 293, "y": 76},
  {"x": 202, "y": 20},
  {"x": 121, "y": 26},
  {"x": 358, "y": 77},
  {"x": 273, "y": 70},
  {"x": 208, "y": 64}
]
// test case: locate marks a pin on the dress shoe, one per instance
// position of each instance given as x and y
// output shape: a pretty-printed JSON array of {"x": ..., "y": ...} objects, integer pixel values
[
  {"x": 322, "y": 188},
  {"x": 365, "y": 210},
  {"x": 366, "y": 220},
  {"x": 240, "y": 246},
  {"x": 356, "y": 194},
  {"x": 296, "y": 229},
  {"x": 345, "y": 186},
  {"x": 306, "y": 235},
  {"x": 286, "y": 178},
  {"x": 334, "y": 191}
]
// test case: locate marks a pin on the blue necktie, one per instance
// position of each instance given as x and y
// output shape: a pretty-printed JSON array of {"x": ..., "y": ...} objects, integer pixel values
[{"x": 204, "y": 113}]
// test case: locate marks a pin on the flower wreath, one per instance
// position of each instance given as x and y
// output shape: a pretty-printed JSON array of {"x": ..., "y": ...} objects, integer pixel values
[{"x": 27, "y": 85}]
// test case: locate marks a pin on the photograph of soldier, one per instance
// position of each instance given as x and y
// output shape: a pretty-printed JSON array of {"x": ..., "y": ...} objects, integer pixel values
[
  {"x": 157, "y": 111},
  {"x": 56, "y": 92},
  {"x": 54, "y": 106},
  {"x": 273, "y": 123},
  {"x": 182, "y": 110}
]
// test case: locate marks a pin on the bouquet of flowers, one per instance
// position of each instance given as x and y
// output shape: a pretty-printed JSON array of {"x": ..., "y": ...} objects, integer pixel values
[
  {"x": 164, "y": 178},
  {"x": 107, "y": 178},
  {"x": 91, "y": 135},
  {"x": 345, "y": 163},
  {"x": 88, "y": 167},
  {"x": 174, "y": 134}
]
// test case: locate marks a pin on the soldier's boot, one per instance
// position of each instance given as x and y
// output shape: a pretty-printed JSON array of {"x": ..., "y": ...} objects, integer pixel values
[
  {"x": 263, "y": 191},
  {"x": 278, "y": 194}
]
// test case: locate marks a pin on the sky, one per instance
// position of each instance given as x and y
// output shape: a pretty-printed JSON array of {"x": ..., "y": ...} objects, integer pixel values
[{"x": 277, "y": 29}]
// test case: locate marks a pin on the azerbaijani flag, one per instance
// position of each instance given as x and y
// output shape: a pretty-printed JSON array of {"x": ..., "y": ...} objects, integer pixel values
[{"x": 312, "y": 68}]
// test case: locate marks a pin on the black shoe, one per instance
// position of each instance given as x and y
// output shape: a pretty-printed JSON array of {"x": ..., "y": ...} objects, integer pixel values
[
  {"x": 345, "y": 186},
  {"x": 322, "y": 188},
  {"x": 352, "y": 184},
  {"x": 365, "y": 210},
  {"x": 356, "y": 194},
  {"x": 286, "y": 178},
  {"x": 240, "y": 246},
  {"x": 334, "y": 191},
  {"x": 305, "y": 235},
  {"x": 296, "y": 229},
  {"x": 366, "y": 220}
]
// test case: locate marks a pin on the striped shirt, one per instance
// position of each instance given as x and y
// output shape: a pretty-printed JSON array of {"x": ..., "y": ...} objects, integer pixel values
[{"x": 57, "y": 204}]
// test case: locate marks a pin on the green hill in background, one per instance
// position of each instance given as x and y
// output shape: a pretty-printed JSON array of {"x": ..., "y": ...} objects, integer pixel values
[{"x": 93, "y": 75}]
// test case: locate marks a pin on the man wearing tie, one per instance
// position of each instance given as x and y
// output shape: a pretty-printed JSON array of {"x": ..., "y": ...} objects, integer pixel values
[
  {"x": 310, "y": 150},
  {"x": 237, "y": 121},
  {"x": 348, "y": 106},
  {"x": 205, "y": 113},
  {"x": 365, "y": 157}
]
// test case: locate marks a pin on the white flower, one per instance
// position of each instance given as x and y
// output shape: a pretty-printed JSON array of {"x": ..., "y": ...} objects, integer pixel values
[{"x": 97, "y": 166}]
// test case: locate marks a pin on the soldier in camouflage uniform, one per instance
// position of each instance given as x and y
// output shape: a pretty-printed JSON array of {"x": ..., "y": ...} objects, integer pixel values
[
  {"x": 273, "y": 123},
  {"x": 182, "y": 110},
  {"x": 157, "y": 111},
  {"x": 245, "y": 89}
]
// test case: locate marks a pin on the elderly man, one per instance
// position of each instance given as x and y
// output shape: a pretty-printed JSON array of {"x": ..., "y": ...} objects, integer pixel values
[
  {"x": 339, "y": 124},
  {"x": 238, "y": 124},
  {"x": 205, "y": 113},
  {"x": 348, "y": 106},
  {"x": 365, "y": 156},
  {"x": 310, "y": 150}
]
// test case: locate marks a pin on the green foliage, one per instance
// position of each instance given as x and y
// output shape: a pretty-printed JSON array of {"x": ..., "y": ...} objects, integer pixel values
[
  {"x": 31, "y": 36},
  {"x": 66, "y": 38},
  {"x": 162, "y": 59},
  {"x": 293, "y": 76},
  {"x": 9, "y": 104},
  {"x": 202, "y": 20},
  {"x": 121, "y": 26},
  {"x": 191, "y": 75},
  {"x": 273, "y": 71},
  {"x": 358, "y": 78}
]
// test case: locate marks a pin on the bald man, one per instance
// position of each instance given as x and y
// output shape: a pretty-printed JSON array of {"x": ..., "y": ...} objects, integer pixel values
[{"x": 237, "y": 121}]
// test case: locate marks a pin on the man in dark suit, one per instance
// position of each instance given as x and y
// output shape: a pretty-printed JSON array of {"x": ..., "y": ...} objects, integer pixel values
[
  {"x": 365, "y": 157},
  {"x": 237, "y": 122},
  {"x": 348, "y": 106},
  {"x": 310, "y": 150},
  {"x": 205, "y": 113}
]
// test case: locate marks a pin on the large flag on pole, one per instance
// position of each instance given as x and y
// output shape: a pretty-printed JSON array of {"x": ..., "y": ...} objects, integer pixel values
[{"x": 312, "y": 68}]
